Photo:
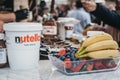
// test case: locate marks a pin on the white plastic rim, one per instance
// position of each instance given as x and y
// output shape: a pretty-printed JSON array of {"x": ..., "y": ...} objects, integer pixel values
[
  {"x": 100, "y": 1},
  {"x": 69, "y": 24},
  {"x": 68, "y": 20},
  {"x": 22, "y": 26},
  {"x": 91, "y": 33}
]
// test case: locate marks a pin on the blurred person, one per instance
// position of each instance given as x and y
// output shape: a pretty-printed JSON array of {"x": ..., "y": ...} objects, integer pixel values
[
  {"x": 29, "y": 17},
  {"x": 96, "y": 19},
  {"x": 11, "y": 17},
  {"x": 63, "y": 10},
  {"x": 32, "y": 4},
  {"x": 22, "y": 7},
  {"x": 55, "y": 14},
  {"x": 39, "y": 9},
  {"x": 73, "y": 5},
  {"x": 80, "y": 14},
  {"x": 109, "y": 17},
  {"x": 111, "y": 7},
  {"x": 111, "y": 30},
  {"x": 117, "y": 2},
  {"x": 46, "y": 13},
  {"x": 14, "y": 16}
]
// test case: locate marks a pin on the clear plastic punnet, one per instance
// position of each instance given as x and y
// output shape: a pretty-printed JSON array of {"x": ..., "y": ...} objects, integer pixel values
[{"x": 83, "y": 66}]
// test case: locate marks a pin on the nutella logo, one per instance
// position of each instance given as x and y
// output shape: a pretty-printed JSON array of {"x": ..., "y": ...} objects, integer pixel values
[{"x": 27, "y": 38}]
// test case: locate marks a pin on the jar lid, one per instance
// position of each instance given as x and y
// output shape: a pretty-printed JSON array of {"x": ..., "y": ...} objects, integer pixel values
[
  {"x": 69, "y": 24},
  {"x": 22, "y": 26},
  {"x": 99, "y": 1},
  {"x": 91, "y": 33},
  {"x": 1, "y": 35}
]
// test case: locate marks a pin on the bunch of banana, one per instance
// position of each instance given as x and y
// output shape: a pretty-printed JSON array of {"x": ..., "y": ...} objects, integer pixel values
[{"x": 98, "y": 46}]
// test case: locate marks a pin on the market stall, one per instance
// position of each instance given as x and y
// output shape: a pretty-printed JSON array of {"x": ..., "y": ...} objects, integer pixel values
[{"x": 40, "y": 42}]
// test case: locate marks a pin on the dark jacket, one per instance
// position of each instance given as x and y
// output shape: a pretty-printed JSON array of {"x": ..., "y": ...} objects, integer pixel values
[{"x": 109, "y": 17}]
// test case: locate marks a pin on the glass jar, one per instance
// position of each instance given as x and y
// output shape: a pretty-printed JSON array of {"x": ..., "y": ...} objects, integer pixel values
[
  {"x": 49, "y": 27},
  {"x": 3, "y": 57}
]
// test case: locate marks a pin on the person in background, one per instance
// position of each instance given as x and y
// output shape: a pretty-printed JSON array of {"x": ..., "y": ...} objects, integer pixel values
[
  {"x": 11, "y": 17},
  {"x": 96, "y": 19},
  {"x": 109, "y": 17},
  {"x": 39, "y": 9},
  {"x": 55, "y": 14},
  {"x": 73, "y": 5},
  {"x": 62, "y": 10},
  {"x": 32, "y": 4},
  {"x": 46, "y": 13},
  {"x": 22, "y": 7},
  {"x": 117, "y": 2},
  {"x": 80, "y": 14},
  {"x": 110, "y": 29},
  {"x": 111, "y": 7}
]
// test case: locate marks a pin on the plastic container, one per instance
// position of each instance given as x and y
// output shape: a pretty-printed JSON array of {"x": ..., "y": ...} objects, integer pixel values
[
  {"x": 84, "y": 66},
  {"x": 49, "y": 27},
  {"x": 68, "y": 23},
  {"x": 23, "y": 44}
]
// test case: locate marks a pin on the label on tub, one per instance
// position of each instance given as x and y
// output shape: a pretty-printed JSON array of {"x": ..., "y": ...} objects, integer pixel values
[
  {"x": 3, "y": 55},
  {"x": 21, "y": 40},
  {"x": 68, "y": 33},
  {"x": 27, "y": 38},
  {"x": 50, "y": 30}
]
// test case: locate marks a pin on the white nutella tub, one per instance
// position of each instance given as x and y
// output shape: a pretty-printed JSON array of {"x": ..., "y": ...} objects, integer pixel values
[{"x": 23, "y": 43}]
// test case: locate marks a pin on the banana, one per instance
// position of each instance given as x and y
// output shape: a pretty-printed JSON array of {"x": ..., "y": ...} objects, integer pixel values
[
  {"x": 102, "y": 54},
  {"x": 102, "y": 45},
  {"x": 96, "y": 38}
]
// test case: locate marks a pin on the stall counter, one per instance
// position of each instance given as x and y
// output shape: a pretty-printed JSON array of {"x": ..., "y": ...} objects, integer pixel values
[{"x": 47, "y": 72}]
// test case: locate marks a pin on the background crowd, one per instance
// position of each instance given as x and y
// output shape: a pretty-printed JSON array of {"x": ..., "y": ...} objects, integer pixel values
[{"x": 76, "y": 9}]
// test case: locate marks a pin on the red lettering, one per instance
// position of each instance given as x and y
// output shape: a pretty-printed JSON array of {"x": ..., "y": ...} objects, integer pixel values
[
  {"x": 48, "y": 27},
  {"x": 28, "y": 38},
  {"x": 32, "y": 39},
  {"x": 22, "y": 39},
  {"x": 37, "y": 37}
]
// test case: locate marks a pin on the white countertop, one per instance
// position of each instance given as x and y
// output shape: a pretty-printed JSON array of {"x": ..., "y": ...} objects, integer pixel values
[
  {"x": 34, "y": 74},
  {"x": 45, "y": 72}
]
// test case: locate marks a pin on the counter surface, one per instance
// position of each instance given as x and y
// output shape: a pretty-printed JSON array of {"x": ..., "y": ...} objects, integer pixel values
[{"x": 46, "y": 72}]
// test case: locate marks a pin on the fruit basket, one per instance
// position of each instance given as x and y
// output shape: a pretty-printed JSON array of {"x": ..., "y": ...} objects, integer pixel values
[{"x": 81, "y": 66}]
